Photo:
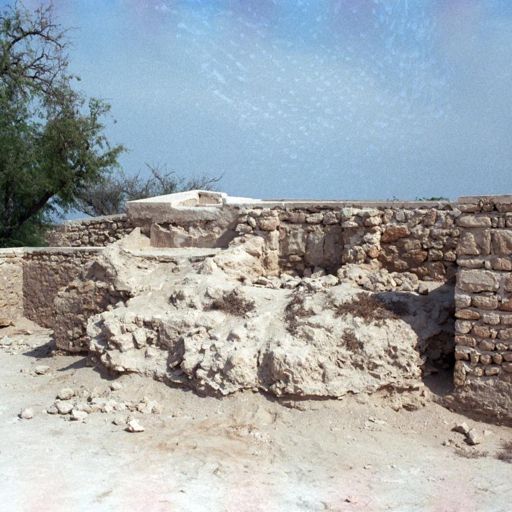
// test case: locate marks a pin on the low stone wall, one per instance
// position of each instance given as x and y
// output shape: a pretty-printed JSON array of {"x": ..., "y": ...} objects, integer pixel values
[
  {"x": 45, "y": 272},
  {"x": 484, "y": 303},
  {"x": 11, "y": 284},
  {"x": 93, "y": 232},
  {"x": 416, "y": 237}
]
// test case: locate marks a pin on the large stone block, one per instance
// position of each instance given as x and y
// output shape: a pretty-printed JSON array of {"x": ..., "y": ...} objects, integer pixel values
[
  {"x": 474, "y": 243},
  {"x": 315, "y": 247},
  {"x": 293, "y": 240},
  {"x": 502, "y": 242},
  {"x": 477, "y": 281},
  {"x": 501, "y": 263},
  {"x": 474, "y": 221}
]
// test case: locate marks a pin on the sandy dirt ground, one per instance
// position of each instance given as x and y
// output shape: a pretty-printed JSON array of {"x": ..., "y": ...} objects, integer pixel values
[{"x": 245, "y": 452}]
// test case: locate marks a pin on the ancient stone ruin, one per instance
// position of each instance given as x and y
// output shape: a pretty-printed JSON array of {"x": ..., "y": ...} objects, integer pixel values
[{"x": 293, "y": 298}]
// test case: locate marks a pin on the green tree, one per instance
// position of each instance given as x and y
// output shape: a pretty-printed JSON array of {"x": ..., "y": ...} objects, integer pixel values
[{"x": 52, "y": 142}]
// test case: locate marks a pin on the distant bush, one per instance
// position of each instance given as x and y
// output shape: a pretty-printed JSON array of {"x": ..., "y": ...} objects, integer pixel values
[{"x": 109, "y": 196}]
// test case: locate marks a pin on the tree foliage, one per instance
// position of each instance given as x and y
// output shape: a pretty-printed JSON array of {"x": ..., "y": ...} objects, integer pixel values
[
  {"x": 109, "y": 196},
  {"x": 52, "y": 144}
]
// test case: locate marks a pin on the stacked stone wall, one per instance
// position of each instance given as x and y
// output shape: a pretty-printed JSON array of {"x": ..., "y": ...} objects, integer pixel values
[
  {"x": 484, "y": 292},
  {"x": 483, "y": 302},
  {"x": 93, "y": 232},
  {"x": 44, "y": 273},
  {"x": 415, "y": 238},
  {"x": 11, "y": 284}
]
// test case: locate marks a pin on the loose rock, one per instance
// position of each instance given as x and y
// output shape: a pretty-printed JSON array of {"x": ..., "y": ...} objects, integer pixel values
[
  {"x": 64, "y": 407},
  {"x": 77, "y": 415},
  {"x": 134, "y": 426},
  {"x": 26, "y": 414},
  {"x": 461, "y": 428},
  {"x": 65, "y": 394},
  {"x": 473, "y": 437},
  {"x": 41, "y": 370}
]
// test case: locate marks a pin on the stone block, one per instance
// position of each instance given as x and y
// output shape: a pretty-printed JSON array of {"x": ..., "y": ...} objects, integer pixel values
[
  {"x": 463, "y": 326},
  {"x": 474, "y": 221},
  {"x": 491, "y": 318},
  {"x": 488, "y": 302},
  {"x": 435, "y": 255},
  {"x": 462, "y": 353},
  {"x": 505, "y": 334},
  {"x": 268, "y": 223},
  {"x": 372, "y": 221},
  {"x": 507, "y": 283},
  {"x": 474, "y": 358},
  {"x": 486, "y": 345},
  {"x": 505, "y": 304},
  {"x": 394, "y": 233},
  {"x": 314, "y": 255},
  {"x": 463, "y": 300},
  {"x": 485, "y": 359},
  {"x": 497, "y": 359},
  {"x": 293, "y": 240},
  {"x": 468, "y": 314},
  {"x": 295, "y": 217},
  {"x": 502, "y": 242},
  {"x": 482, "y": 331},
  {"x": 501, "y": 263},
  {"x": 471, "y": 263},
  {"x": 477, "y": 281},
  {"x": 315, "y": 218},
  {"x": 507, "y": 367},
  {"x": 466, "y": 341},
  {"x": 330, "y": 218},
  {"x": 474, "y": 243}
]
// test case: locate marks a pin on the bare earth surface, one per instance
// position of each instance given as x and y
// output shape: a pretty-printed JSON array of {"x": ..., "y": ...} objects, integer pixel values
[{"x": 244, "y": 452}]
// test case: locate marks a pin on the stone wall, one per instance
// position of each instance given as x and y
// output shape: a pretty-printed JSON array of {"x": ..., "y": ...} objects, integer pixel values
[
  {"x": 484, "y": 303},
  {"x": 11, "y": 284},
  {"x": 415, "y": 237},
  {"x": 470, "y": 239},
  {"x": 44, "y": 273},
  {"x": 93, "y": 232}
]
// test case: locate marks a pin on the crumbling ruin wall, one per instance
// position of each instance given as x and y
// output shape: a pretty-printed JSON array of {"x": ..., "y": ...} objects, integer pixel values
[
  {"x": 384, "y": 247},
  {"x": 416, "y": 237},
  {"x": 44, "y": 272},
  {"x": 483, "y": 371},
  {"x": 11, "y": 284},
  {"x": 93, "y": 232}
]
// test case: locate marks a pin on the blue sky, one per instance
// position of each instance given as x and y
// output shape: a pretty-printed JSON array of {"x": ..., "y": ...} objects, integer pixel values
[{"x": 347, "y": 99}]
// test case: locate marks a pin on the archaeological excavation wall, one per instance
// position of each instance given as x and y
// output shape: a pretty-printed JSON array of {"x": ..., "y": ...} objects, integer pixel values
[
  {"x": 483, "y": 370},
  {"x": 423, "y": 246},
  {"x": 93, "y": 232},
  {"x": 45, "y": 272},
  {"x": 31, "y": 277},
  {"x": 401, "y": 237},
  {"x": 419, "y": 236}
]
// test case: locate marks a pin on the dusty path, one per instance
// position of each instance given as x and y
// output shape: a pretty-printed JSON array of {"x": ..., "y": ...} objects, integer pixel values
[{"x": 242, "y": 453}]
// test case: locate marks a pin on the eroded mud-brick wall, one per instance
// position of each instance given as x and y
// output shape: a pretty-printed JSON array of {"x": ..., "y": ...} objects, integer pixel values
[
  {"x": 11, "y": 283},
  {"x": 484, "y": 297},
  {"x": 94, "y": 232},
  {"x": 45, "y": 271}
]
